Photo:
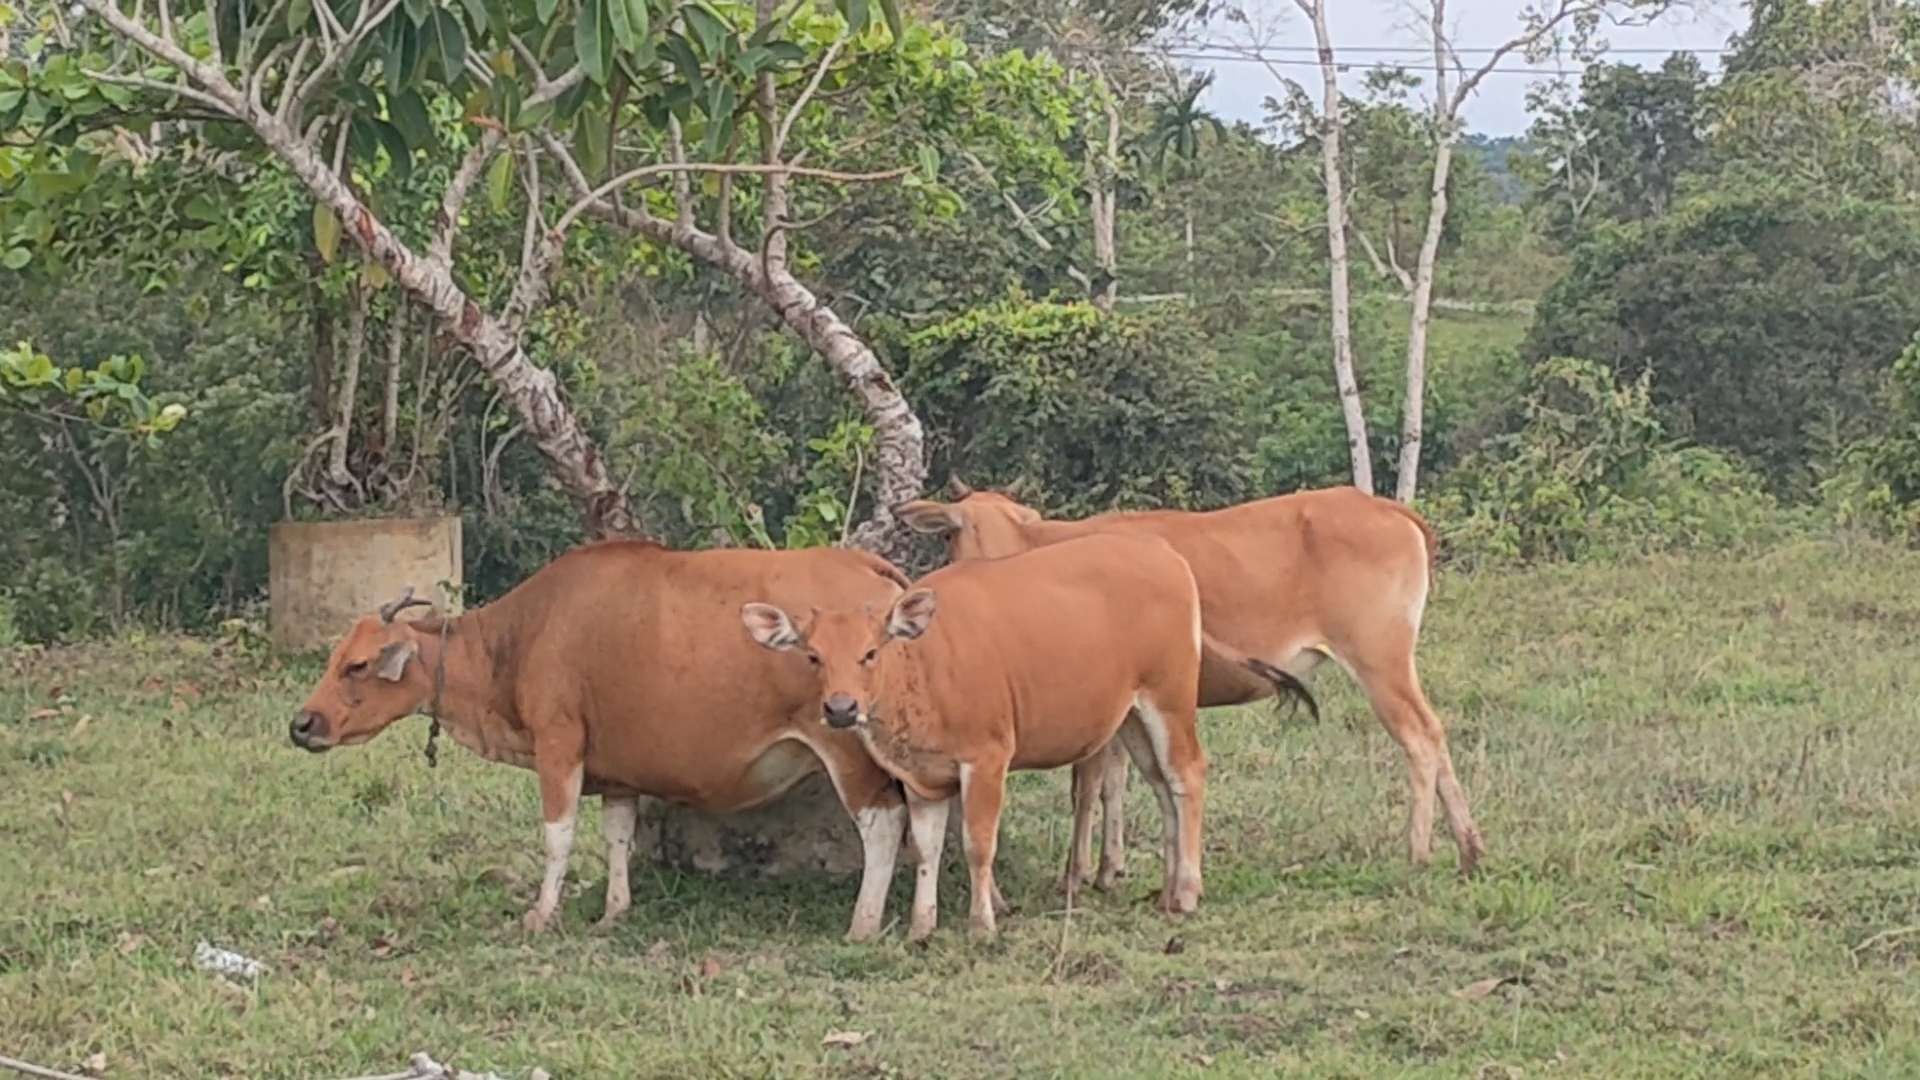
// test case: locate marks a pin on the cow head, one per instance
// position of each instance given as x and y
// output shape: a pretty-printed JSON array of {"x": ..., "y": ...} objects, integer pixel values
[
  {"x": 373, "y": 678},
  {"x": 975, "y": 524},
  {"x": 848, "y": 649}
]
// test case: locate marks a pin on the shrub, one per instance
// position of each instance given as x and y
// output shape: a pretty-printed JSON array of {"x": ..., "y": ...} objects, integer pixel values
[
  {"x": 1762, "y": 317},
  {"x": 1876, "y": 484},
  {"x": 1589, "y": 472},
  {"x": 1096, "y": 411}
]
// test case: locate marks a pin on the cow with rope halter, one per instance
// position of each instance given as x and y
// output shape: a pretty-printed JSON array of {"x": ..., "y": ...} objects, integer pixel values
[{"x": 619, "y": 670}]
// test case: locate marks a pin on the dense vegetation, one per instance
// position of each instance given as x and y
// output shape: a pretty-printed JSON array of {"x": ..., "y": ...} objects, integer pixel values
[{"x": 1670, "y": 315}]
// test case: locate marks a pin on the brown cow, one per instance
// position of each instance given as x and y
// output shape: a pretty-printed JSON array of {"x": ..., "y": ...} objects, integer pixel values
[
  {"x": 1034, "y": 662},
  {"x": 618, "y": 670},
  {"x": 1279, "y": 578}
]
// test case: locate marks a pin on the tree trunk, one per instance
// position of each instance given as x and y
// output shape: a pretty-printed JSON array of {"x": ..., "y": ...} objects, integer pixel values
[
  {"x": 390, "y": 402},
  {"x": 1339, "y": 287},
  {"x": 532, "y": 391},
  {"x": 339, "y": 476},
  {"x": 1414, "y": 409},
  {"x": 1103, "y": 204},
  {"x": 1189, "y": 210}
]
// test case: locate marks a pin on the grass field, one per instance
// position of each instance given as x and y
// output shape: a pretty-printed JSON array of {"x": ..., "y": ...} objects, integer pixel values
[{"x": 1698, "y": 781}]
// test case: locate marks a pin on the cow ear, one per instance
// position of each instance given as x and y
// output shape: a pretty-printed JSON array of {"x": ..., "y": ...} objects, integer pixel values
[
  {"x": 911, "y": 614},
  {"x": 926, "y": 516},
  {"x": 393, "y": 660},
  {"x": 769, "y": 626}
]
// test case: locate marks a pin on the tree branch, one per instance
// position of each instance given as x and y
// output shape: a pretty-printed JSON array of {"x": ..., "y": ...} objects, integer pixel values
[
  {"x": 454, "y": 198},
  {"x": 597, "y": 194},
  {"x": 806, "y": 95}
]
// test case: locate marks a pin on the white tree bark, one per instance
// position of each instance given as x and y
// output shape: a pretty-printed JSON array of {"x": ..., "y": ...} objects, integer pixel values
[
  {"x": 1339, "y": 286},
  {"x": 1446, "y": 131}
]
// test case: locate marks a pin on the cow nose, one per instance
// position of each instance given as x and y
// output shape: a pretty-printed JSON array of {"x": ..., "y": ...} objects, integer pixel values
[
  {"x": 302, "y": 730},
  {"x": 841, "y": 710}
]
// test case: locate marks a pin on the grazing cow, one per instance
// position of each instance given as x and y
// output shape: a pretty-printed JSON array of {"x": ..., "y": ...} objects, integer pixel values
[
  {"x": 618, "y": 670},
  {"x": 1034, "y": 662},
  {"x": 1279, "y": 578}
]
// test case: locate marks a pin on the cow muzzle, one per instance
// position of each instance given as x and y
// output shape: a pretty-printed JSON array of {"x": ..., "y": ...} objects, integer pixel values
[
  {"x": 840, "y": 711},
  {"x": 308, "y": 732}
]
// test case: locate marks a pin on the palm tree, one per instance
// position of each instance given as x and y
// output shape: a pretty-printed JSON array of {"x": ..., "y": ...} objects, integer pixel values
[{"x": 1176, "y": 128}]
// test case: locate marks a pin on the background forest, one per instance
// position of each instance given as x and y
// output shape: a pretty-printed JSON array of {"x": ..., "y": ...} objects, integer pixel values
[{"x": 1680, "y": 312}]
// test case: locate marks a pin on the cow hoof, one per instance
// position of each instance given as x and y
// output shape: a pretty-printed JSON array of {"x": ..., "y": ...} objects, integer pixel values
[
  {"x": 535, "y": 921},
  {"x": 919, "y": 935}
]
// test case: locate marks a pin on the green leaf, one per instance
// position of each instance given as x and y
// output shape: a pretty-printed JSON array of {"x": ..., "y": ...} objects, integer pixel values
[
  {"x": 590, "y": 40},
  {"x": 326, "y": 232},
  {"x": 448, "y": 41},
  {"x": 201, "y": 208},
  {"x": 858, "y": 15},
  {"x": 396, "y": 146},
  {"x": 477, "y": 12},
  {"x": 680, "y": 51},
  {"x": 374, "y": 276},
  {"x": 636, "y": 20},
  {"x": 298, "y": 12},
  {"x": 590, "y": 137},
  {"x": 929, "y": 162},
  {"x": 419, "y": 11},
  {"x": 402, "y": 62},
  {"x": 712, "y": 29},
  {"x": 409, "y": 114},
  {"x": 545, "y": 9},
  {"x": 890, "y": 10},
  {"x": 719, "y": 118},
  {"x": 786, "y": 53},
  {"x": 500, "y": 181},
  {"x": 16, "y": 258},
  {"x": 619, "y": 24}
]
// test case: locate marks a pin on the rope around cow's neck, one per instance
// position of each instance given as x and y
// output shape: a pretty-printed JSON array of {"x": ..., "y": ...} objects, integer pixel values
[{"x": 432, "y": 750}]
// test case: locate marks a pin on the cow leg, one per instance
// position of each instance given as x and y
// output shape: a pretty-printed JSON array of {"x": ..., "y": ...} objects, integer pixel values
[
  {"x": 1165, "y": 742},
  {"x": 1088, "y": 777},
  {"x": 983, "y": 789},
  {"x": 560, "y": 779},
  {"x": 928, "y": 818},
  {"x": 1113, "y": 816},
  {"x": 1387, "y": 674},
  {"x": 872, "y": 798},
  {"x": 617, "y": 818}
]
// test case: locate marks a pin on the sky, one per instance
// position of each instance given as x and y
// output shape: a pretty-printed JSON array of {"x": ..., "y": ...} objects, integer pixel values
[{"x": 1380, "y": 30}]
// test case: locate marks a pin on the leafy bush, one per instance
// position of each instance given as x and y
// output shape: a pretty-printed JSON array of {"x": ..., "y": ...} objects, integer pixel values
[
  {"x": 1096, "y": 411},
  {"x": 1877, "y": 482},
  {"x": 1589, "y": 472},
  {"x": 1762, "y": 316}
]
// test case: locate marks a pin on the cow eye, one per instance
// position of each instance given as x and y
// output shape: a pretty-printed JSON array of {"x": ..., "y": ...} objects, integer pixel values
[
  {"x": 814, "y": 659},
  {"x": 871, "y": 653},
  {"x": 356, "y": 669}
]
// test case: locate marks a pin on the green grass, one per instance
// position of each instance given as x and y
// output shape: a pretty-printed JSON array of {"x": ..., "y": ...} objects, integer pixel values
[{"x": 1697, "y": 779}]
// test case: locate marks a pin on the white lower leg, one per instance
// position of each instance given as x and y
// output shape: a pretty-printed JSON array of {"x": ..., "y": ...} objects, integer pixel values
[
  {"x": 617, "y": 819},
  {"x": 557, "y": 833},
  {"x": 880, "y": 828},
  {"x": 559, "y": 844},
  {"x": 929, "y": 823}
]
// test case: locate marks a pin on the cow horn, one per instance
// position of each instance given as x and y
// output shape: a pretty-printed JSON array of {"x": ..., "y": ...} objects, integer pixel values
[
  {"x": 394, "y": 607},
  {"x": 957, "y": 488}
]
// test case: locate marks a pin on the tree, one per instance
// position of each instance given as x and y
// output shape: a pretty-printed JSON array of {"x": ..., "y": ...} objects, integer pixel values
[
  {"x": 1176, "y": 125},
  {"x": 1767, "y": 319},
  {"x": 1618, "y": 152},
  {"x": 1538, "y": 23},
  {"x": 336, "y": 89}
]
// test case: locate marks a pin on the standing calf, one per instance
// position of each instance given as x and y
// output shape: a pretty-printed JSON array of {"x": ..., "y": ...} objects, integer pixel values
[
  {"x": 1034, "y": 662},
  {"x": 1278, "y": 578}
]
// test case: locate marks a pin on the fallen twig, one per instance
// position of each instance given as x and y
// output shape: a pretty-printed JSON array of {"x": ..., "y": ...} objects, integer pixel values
[{"x": 38, "y": 1070}]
